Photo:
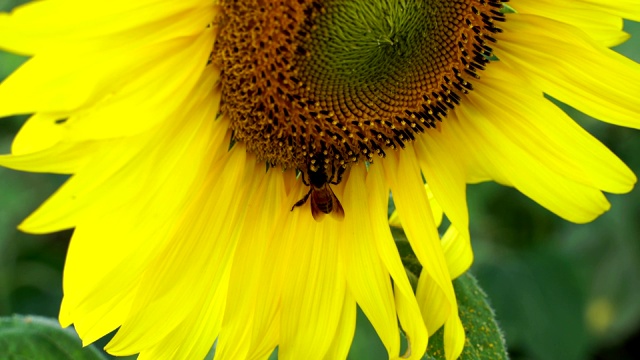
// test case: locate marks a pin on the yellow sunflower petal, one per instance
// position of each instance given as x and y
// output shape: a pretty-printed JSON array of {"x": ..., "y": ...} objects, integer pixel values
[
  {"x": 47, "y": 142},
  {"x": 413, "y": 207},
  {"x": 115, "y": 245},
  {"x": 124, "y": 166},
  {"x": 101, "y": 319},
  {"x": 31, "y": 28},
  {"x": 185, "y": 262},
  {"x": 558, "y": 139},
  {"x": 38, "y": 133},
  {"x": 414, "y": 328},
  {"x": 572, "y": 68},
  {"x": 438, "y": 213},
  {"x": 66, "y": 158},
  {"x": 457, "y": 250},
  {"x": 412, "y": 204},
  {"x": 510, "y": 164},
  {"x": 446, "y": 179},
  {"x": 553, "y": 178},
  {"x": 603, "y": 27},
  {"x": 367, "y": 278},
  {"x": 266, "y": 329},
  {"x": 313, "y": 293},
  {"x": 33, "y": 87},
  {"x": 341, "y": 344},
  {"x": 433, "y": 304},
  {"x": 454, "y": 337},
  {"x": 628, "y": 9},
  {"x": 394, "y": 219},
  {"x": 193, "y": 338},
  {"x": 437, "y": 311},
  {"x": 245, "y": 285},
  {"x": 406, "y": 305}
]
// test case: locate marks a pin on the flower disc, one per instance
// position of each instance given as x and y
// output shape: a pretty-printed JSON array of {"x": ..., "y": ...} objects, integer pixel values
[{"x": 308, "y": 83}]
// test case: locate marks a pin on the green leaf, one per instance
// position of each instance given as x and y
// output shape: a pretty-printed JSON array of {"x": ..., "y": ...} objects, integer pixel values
[
  {"x": 484, "y": 338},
  {"x": 8, "y": 5},
  {"x": 9, "y": 62},
  {"x": 411, "y": 263},
  {"x": 34, "y": 337}
]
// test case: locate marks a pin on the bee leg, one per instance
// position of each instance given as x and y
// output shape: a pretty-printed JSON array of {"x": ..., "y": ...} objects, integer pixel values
[
  {"x": 304, "y": 181},
  {"x": 338, "y": 177},
  {"x": 302, "y": 201}
]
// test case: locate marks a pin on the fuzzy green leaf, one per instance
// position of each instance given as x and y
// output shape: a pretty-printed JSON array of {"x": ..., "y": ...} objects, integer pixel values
[
  {"x": 34, "y": 337},
  {"x": 484, "y": 338}
]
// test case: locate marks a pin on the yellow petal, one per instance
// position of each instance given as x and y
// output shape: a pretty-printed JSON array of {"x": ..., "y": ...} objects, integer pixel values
[
  {"x": 454, "y": 337},
  {"x": 39, "y": 132},
  {"x": 341, "y": 344},
  {"x": 117, "y": 171},
  {"x": 206, "y": 235},
  {"x": 628, "y": 9},
  {"x": 102, "y": 318},
  {"x": 510, "y": 164},
  {"x": 314, "y": 290},
  {"x": 434, "y": 306},
  {"x": 603, "y": 27},
  {"x": 447, "y": 179},
  {"x": 443, "y": 167},
  {"x": 394, "y": 219},
  {"x": 266, "y": 333},
  {"x": 63, "y": 158},
  {"x": 194, "y": 337},
  {"x": 529, "y": 153},
  {"x": 566, "y": 64},
  {"x": 406, "y": 304},
  {"x": 457, "y": 250},
  {"x": 115, "y": 244},
  {"x": 438, "y": 214},
  {"x": 413, "y": 206},
  {"x": 548, "y": 133},
  {"x": 148, "y": 92},
  {"x": 31, "y": 29},
  {"x": 437, "y": 310},
  {"x": 246, "y": 285},
  {"x": 366, "y": 275}
]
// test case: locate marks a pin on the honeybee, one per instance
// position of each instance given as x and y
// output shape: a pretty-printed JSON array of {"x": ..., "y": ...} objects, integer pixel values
[{"x": 323, "y": 200}]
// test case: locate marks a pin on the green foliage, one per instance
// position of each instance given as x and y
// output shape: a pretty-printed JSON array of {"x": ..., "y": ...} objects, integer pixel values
[
  {"x": 484, "y": 338},
  {"x": 545, "y": 294},
  {"x": 34, "y": 337},
  {"x": 366, "y": 344},
  {"x": 7, "y": 5},
  {"x": 409, "y": 260}
]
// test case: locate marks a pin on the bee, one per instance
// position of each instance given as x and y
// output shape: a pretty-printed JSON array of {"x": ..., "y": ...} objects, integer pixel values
[{"x": 323, "y": 200}]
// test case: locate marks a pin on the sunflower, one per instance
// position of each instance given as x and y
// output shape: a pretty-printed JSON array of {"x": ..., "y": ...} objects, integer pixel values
[{"x": 231, "y": 161}]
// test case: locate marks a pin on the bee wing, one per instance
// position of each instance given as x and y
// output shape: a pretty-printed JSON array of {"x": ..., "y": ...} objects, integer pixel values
[
  {"x": 338, "y": 211},
  {"x": 318, "y": 214},
  {"x": 324, "y": 201}
]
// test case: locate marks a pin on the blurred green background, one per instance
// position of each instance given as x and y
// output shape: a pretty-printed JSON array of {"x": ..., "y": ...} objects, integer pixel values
[{"x": 561, "y": 291}]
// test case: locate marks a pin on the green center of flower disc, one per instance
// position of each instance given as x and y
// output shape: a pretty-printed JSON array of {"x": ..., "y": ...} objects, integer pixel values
[{"x": 320, "y": 85}]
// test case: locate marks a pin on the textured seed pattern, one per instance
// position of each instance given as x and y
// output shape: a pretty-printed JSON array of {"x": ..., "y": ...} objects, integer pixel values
[{"x": 320, "y": 85}]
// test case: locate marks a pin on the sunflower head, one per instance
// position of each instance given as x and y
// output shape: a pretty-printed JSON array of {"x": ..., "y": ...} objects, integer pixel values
[{"x": 319, "y": 86}]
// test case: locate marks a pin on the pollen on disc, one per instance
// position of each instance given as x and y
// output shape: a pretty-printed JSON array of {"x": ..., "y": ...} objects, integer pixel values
[{"x": 320, "y": 85}]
